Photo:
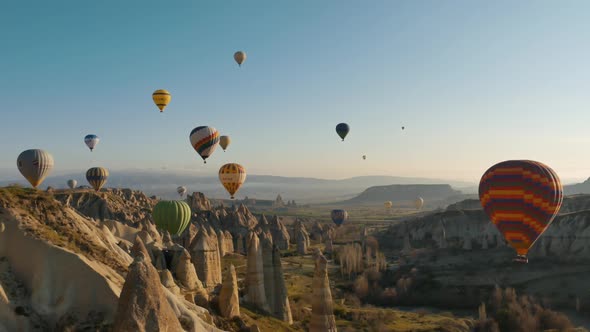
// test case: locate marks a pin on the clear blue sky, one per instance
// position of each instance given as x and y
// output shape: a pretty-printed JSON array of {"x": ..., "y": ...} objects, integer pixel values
[{"x": 474, "y": 83}]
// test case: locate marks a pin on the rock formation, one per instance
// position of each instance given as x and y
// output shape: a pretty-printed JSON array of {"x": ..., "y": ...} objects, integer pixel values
[
  {"x": 268, "y": 268},
  {"x": 303, "y": 241},
  {"x": 168, "y": 281},
  {"x": 167, "y": 240},
  {"x": 328, "y": 248},
  {"x": 139, "y": 248},
  {"x": 280, "y": 234},
  {"x": 229, "y": 242},
  {"x": 229, "y": 302},
  {"x": 205, "y": 257},
  {"x": 187, "y": 276},
  {"x": 255, "y": 276},
  {"x": 198, "y": 202},
  {"x": 281, "y": 308},
  {"x": 187, "y": 237},
  {"x": 240, "y": 245},
  {"x": 322, "y": 310},
  {"x": 221, "y": 242},
  {"x": 143, "y": 305}
]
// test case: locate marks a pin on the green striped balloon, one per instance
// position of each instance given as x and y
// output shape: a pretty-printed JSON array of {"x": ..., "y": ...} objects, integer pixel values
[{"x": 172, "y": 216}]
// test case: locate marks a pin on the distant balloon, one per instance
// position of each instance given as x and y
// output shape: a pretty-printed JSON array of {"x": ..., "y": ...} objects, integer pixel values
[
  {"x": 97, "y": 177},
  {"x": 342, "y": 130},
  {"x": 91, "y": 141},
  {"x": 224, "y": 141},
  {"x": 34, "y": 165},
  {"x": 181, "y": 190},
  {"x": 204, "y": 140},
  {"x": 161, "y": 98},
  {"x": 418, "y": 203},
  {"x": 403, "y": 128},
  {"x": 232, "y": 176},
  {"x": 240, "y": 57},
  {"x": 521, "y": 197},
  {"x": 364, "y": 157},
  {"x": 72, "y": 183},
  {"x": 388, "y": 204},
  {"x": 339, "y": 216},
  {"x": 172, "y": 216}
]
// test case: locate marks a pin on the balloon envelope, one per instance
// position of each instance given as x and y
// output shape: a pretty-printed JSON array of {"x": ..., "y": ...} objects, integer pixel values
[
  {"x": 339, "y": 216},
  {"x": 240, "y": 57},
  {"x": 342, "y": 130},
  {"x": 364, "y": 157},
  {"x": 224, "y": 142},
  {"x": 204, "y": 140},
  {"x": 172, "y": 216},
  {"x": 161, "y": 98},
  {"x": 72, "y": 184},
  {"x": 91, "y": 141},
  {"x": 388, "y": 204},
  {"x": 232, "y": 176},
  {"x": 418, "y": 203},
  {"x": 34, "y": 165},
  {"x": 97, "y": 177},
  {"x": 181, "y": 190},
  {"x": 521, "y": 197}
]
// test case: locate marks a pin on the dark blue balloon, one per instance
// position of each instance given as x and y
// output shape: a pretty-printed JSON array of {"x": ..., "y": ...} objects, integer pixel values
[
  {"x": 342, "y": 130},
  {"x": 339, "y": 216}
]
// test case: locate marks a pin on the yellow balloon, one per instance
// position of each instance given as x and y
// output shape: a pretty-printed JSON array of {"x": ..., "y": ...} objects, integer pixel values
[
  {"x": 240, "y": 57},
  {"x": 232, "y": 176},
  {"x": 388, "y": 204},
  {"x": 224, "y": 142},
  {"x": 161, "y": 98}
]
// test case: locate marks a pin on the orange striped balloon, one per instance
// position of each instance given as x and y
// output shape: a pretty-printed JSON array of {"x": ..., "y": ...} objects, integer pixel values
[{"x": 521, "y": 197}]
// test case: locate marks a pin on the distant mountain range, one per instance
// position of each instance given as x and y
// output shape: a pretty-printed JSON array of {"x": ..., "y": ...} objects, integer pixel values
[{"x": 303, "y": 190}]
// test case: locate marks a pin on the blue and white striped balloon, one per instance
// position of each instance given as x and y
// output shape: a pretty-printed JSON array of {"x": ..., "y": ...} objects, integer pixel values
[{"x": 91, "y": 141}]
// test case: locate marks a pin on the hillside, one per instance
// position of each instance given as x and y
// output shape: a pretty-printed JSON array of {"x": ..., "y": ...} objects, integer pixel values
[{"x": 431, "y": 193}]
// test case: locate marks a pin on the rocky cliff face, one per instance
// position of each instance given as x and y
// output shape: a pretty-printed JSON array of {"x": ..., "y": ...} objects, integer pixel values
[
  {"x": 73, "y": 267},
  {"x": 198, "y": 202},
  {"x": 123, "y": 205}
]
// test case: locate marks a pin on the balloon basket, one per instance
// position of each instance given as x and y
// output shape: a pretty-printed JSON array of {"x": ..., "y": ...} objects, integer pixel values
[{"x": 520, "y": 259}]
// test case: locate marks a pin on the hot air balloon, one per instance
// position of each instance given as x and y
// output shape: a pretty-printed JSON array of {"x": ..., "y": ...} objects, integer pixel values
[
  {"x": 240, "y": 57},
  {"x": 34, "y": 165},
  {"x": 364, "y": 157},
  {"x": 91, "y": 141},
  {"x": 232, "y": 176},
  {"x": 388, "y": 204},
  {"x": 418, "y": 203},
  {"x": 204, "y": 140},
  {"x": 403, "y": 128},
  {"x": 97, "y": 177},
  {"x": 172, "y": 216},
  {"x": 224, "y": 142},
  {"x": 181, "y": 190},
  {"x": 72, "y": 183},
  {"x": 339, "y": 216},
  {"x": 161, "y": 98},
  {"x": 342, "y": 130},
  {"x": 521, "y": 197}
]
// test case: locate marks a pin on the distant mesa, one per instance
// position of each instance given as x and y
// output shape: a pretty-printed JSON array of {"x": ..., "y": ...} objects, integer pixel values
[{"x": 401, "y": 192}]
